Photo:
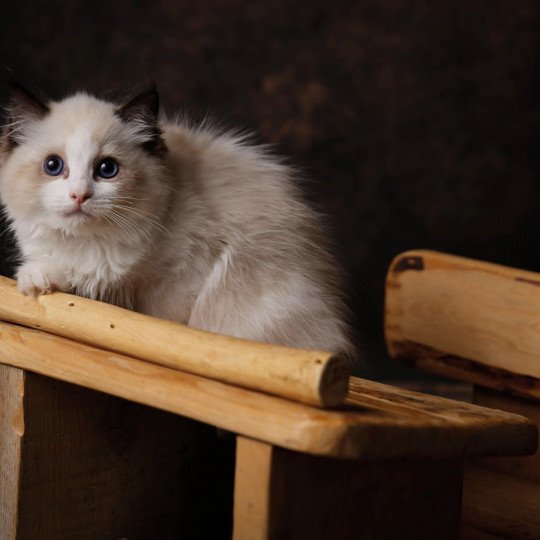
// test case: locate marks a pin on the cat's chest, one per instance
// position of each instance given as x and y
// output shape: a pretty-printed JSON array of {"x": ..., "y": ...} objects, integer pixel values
[{"x": 89, "y": 264}]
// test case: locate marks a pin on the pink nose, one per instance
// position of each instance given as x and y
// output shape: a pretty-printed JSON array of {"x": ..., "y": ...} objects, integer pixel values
[{"x": 79, "y": 198}]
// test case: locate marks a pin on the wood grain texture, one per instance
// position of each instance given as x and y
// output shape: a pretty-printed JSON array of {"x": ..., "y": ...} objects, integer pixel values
[
  {"x": 526, "y": 467},
  {"x": 376, "y": 420},
  {"x": 96, "y": 466},
  {"x": 466, "y": 319},
  {"x": 310, "y": 376},
  {"x": 11, "y": 433},
  {"x": 501, "y": 505},
  {"x": 293, "y": 496},
  {"x": 252, "y": 484}
]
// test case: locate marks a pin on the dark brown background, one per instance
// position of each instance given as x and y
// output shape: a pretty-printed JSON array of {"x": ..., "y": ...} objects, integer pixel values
[{"x": 415, "y": 121}]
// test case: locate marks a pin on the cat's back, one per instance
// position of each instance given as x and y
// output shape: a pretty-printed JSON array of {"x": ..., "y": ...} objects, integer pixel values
[
  {"x": 241, "y": 182},
  {"x": 248, "y": 247}
]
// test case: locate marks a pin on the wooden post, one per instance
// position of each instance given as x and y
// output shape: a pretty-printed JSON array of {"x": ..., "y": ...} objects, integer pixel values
[
  {"x": 11, "y": 432},
  {"x": 81, "y": 464},
  {"x": 282, "y": 495}
]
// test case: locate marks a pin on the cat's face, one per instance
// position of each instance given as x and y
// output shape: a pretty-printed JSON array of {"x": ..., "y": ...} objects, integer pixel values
[{"x": 81, "y": 165}]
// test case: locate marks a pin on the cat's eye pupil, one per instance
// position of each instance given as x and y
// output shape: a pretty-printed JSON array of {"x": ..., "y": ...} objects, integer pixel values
[
  {"x": 53, "y": 165},
  {"x": 107, "y": 168}
]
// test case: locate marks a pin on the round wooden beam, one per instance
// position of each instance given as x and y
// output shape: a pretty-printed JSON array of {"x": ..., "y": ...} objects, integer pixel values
[{"x": 310, "y": 376}]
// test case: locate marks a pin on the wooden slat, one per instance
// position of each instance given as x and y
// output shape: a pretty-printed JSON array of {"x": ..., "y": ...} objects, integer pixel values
[
  {"x": 309, "y": 376},
  {"x": 377, "y": 420},
  {"x": 11, "y": 433},
  {"x": 501, "y": 505},
  {"x": 252, "y": 490},
  {"x": 465, "y": 319}
]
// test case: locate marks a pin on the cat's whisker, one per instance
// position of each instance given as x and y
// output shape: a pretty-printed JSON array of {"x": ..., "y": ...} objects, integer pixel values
[
  {"x": 123, "y": 224},
  {"x": 144, "y": 216},
  {"x": 144, "y": 220},
  {"x": 124, "y": 197},
  {"x": 12, "y": 124},
  {"x": 129, "y": 226}
]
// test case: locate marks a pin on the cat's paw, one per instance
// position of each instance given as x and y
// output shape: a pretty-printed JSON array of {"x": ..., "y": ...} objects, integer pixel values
[{"x": 34, "y": 280}]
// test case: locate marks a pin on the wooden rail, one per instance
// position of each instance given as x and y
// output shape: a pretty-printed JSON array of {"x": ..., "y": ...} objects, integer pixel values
[
  {"x": 310, "y": 376},
  {"x": 377, "y": 421}
]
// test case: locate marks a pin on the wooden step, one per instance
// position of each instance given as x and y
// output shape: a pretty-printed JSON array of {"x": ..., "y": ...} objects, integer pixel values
[{"x": 376, "y": 420}]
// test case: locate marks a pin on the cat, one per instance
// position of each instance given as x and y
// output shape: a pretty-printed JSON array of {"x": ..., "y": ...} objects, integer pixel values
[{"x": 116, "y": 203}]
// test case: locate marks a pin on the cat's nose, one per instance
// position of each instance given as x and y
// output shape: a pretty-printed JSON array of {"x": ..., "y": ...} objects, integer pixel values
[{"x": 79, "y": 198}]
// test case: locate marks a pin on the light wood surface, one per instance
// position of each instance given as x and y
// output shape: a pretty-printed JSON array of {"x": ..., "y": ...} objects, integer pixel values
[
  {"x": 309, "y": 376},
  {"x": 376, "y": 420},
  {"x": 501, "y": 505},
  {"x": 466, "y": 319},
  {"x": 252, "y": 490},
  {"x": 11, "y": 434}
]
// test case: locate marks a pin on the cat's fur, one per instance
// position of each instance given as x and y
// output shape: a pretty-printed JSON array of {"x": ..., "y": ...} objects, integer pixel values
[{"x": 198, "y": 226}]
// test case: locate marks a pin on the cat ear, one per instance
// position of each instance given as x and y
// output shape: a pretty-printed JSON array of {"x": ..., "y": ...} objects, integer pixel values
[
  {"x": 22, "y": 108},
  {"x": 142, "y": 111},
  {"x": 141, "y": 108}
]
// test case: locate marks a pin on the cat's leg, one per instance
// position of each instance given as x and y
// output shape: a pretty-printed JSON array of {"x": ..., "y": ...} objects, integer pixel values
[{"x": 38, "y": 277}]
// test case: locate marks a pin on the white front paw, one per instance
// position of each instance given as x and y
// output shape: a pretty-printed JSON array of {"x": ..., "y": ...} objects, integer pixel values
[{"x": 33, "y": 279}]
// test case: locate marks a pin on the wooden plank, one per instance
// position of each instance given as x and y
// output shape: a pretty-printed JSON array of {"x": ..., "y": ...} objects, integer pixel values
[
  {"x": 292, "y": 495},
  {"x": 501, "y": 505},
  {"x": 11, "y": 433},
  {"x": 252, "y": 490},
  {"x": 376, "y": 420},
  {"x": 310, "y": 376},
  {"x": 96, "y": 466},
  {"x": 527, "y": 467},
  {"x": 465, "y": 319}
]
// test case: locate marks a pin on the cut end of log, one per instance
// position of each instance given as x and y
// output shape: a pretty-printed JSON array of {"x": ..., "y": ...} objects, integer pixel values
[{"x": 334, "y": 381}]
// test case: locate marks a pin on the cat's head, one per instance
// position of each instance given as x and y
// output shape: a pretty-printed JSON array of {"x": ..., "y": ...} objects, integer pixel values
[{"x": 81, "y": 165}]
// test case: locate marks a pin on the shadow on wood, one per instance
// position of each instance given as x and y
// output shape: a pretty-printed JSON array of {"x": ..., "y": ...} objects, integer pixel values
[{"x": 96, "y": 466}]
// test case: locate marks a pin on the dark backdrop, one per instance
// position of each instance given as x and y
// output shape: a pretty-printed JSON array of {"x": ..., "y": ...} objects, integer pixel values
[{"x": 416, "y": 121}]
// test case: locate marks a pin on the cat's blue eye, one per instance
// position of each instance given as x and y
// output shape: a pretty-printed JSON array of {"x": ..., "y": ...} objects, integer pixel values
[
  {"x": 53, "y": 165},
  {"x": 107, "y": 168}
]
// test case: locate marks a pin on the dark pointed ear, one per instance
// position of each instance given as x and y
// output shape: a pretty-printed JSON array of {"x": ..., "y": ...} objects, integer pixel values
[
  {"x": 23, "y": 103},
  {"x": 143, "y": 107},
  {"x": 143, "y": 112},
  {"x": 22, "y": 107}
]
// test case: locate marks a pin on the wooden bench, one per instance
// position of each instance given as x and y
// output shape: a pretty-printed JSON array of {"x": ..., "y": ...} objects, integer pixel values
[
  {"x": 476, "y": 322},
  {"x": 96, "y": 444}
]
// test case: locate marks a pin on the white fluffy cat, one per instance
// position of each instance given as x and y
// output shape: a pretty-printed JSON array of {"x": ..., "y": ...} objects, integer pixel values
[{"x": 113, "y": 203}]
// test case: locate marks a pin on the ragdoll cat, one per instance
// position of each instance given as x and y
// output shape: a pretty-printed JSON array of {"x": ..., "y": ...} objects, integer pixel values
[{"x": 114, "y": 203}]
